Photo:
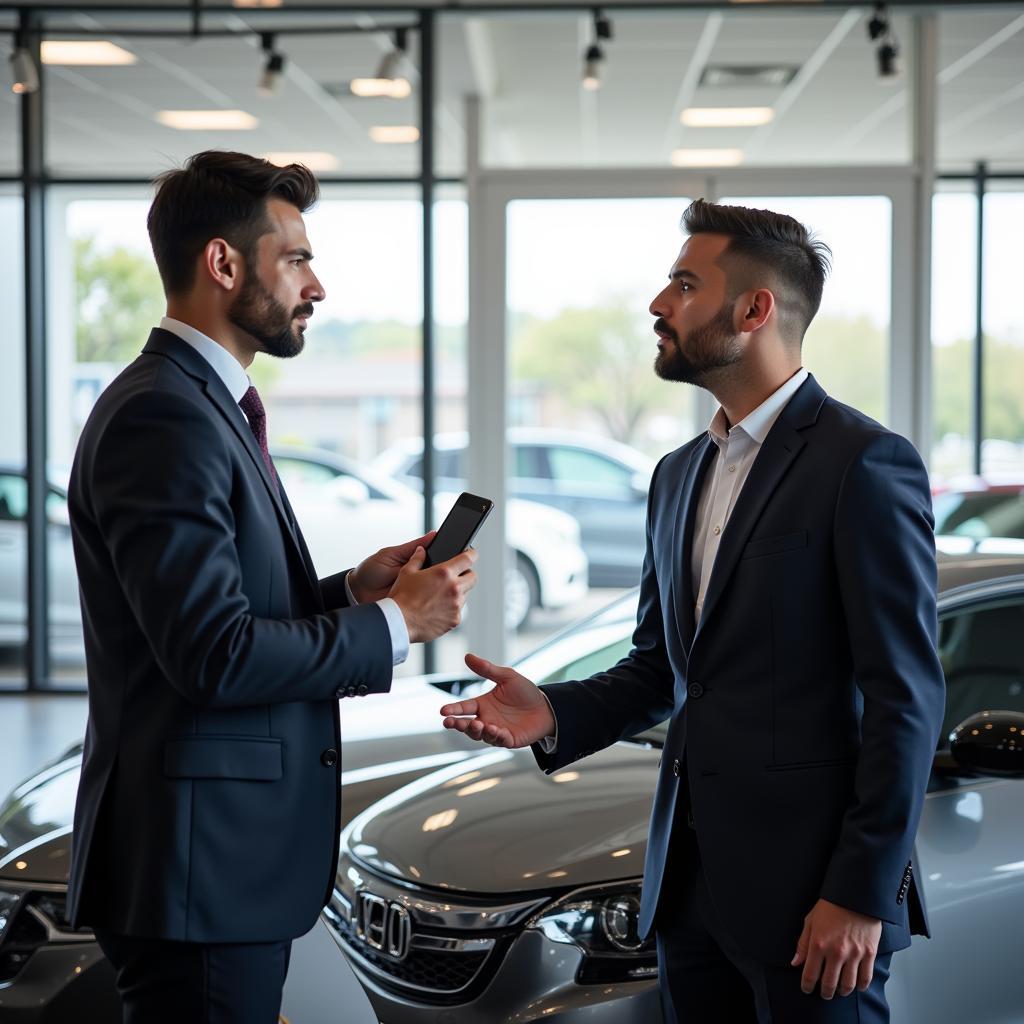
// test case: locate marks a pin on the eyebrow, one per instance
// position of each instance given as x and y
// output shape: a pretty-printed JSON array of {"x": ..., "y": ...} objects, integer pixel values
[
  {"x": 676, "y": 274},
  {"x": 304, "y": 253}
]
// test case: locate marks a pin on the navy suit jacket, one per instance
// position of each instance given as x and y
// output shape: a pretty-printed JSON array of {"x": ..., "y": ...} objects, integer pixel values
[
  {"x": 208, "y": 806},
  {"x": 809, "y": 699}
]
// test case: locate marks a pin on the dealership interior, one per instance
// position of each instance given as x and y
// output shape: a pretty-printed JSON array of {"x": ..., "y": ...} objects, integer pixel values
[{"x": 502, "y": 183}]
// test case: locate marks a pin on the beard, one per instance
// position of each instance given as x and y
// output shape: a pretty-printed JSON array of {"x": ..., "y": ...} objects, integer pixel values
[
  {"x": 709, "y": 348},
  {"x": 269, "y": 321}
]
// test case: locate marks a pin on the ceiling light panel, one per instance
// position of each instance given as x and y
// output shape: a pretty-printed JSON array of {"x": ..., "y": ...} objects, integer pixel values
[
  {"x": 390, "y": 88},
  {"x": 84, "y": 53},
  {"x": 726, "y": 117},
  {"x": 315, "y": 161},
  {"x": 706, "y": 157},
  {"x": 207, "y": 120},
  {"x": 394, "y": 133}
]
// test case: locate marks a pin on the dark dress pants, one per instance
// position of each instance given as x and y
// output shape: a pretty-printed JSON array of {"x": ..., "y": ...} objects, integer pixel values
[
  {"x": 706, "y": 979},
  {"x": 164, "y": 982}
]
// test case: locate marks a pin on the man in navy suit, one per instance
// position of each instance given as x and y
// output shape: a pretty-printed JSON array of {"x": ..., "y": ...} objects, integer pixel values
[
  {"x": 206, "y": 826},
  {"x": 786, "y": 627}
]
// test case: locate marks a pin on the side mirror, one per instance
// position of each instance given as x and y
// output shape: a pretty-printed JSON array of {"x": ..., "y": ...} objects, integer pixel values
[
  {"x": 990, "y": 743},
  {"x": 349, "y": 490}
]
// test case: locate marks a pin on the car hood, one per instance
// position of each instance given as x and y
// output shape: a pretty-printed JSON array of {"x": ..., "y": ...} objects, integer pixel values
[
  {"x": 386, "y": 740},
  {"x": 497, "y": 824}
]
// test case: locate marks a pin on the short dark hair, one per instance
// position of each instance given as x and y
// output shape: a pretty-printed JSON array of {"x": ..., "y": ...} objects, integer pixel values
[
  {"x": 764, "y": 242},
  {"x": 218, "y": 194}
]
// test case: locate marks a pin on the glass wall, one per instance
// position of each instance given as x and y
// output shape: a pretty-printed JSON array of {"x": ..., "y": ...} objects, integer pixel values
[
  {"x": 588, "y": 417},
  {"x": 13, "y": 489}
]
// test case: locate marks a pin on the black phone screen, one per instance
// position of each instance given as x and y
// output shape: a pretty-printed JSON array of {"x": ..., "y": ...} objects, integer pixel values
[{"x": 458, "y": 529}]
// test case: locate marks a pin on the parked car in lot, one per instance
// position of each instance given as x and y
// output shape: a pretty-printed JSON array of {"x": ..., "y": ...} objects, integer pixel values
[
  {"x": 602, "y": 483},
  {"x": 976, "y": 514},
  {"x": 502, "y": 895},
  {"x": 346, "y": 512},
  {"x": 510, "y": 896}
]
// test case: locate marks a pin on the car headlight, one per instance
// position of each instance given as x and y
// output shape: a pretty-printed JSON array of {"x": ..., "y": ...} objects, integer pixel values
[
  {"x": 604, "y": 924},
  {"x": 29, "y": 919}
]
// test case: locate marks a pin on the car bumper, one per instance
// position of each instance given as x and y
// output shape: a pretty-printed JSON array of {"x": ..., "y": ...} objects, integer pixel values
[
  {"x": 60, "y": 983},
  {"x": 534, "y": 982}
]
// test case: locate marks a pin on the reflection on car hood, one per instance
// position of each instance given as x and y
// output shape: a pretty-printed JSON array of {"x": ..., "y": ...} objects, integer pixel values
[
  {"x": 383, "y": 737},
  {"x": 497, "y": 824}
]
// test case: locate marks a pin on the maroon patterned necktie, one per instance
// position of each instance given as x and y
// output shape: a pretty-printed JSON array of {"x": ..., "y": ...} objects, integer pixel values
[{"x": 251, "y": 405}]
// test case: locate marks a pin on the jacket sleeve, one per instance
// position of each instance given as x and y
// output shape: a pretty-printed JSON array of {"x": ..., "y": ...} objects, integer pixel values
[
  {"x": 885, "y": 558},
  {"x": 169, "y": 527},
  {"x": 630, "y": 697}
]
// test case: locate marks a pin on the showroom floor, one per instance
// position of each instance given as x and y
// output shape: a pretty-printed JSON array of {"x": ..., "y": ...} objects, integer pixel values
[{"x": 36, "y": 729}]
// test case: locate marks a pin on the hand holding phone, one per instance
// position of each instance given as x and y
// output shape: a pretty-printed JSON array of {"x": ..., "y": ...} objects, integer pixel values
[{"x": 459, "y": 528}]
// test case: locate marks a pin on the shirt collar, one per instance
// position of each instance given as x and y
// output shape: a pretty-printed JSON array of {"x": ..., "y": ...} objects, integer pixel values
[
  {"x": 226, "y": 366},
  {"x": 756, "y": 424}
]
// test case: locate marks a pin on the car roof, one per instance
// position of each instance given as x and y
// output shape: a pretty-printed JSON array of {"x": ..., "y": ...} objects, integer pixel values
[{"x": 963, "y": 570}]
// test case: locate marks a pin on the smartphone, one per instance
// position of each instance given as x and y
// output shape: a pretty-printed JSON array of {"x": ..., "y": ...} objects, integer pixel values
[{"x": 459, "y": 528}]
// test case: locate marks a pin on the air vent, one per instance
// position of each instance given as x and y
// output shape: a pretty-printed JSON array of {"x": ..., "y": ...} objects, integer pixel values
[{"x": 724, "y": 75}]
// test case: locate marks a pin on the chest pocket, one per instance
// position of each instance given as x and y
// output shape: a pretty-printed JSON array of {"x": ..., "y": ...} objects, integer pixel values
[{"x": 775, "y": 545}]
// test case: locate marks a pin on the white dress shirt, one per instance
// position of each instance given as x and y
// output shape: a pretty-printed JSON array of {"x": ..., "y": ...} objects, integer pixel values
[
  {"x": 724, "y": 479},
  {"x": 237, "y": 381}
]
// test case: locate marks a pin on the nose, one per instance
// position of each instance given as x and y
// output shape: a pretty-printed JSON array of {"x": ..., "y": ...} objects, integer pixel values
[
  {"x": 657, "y": 306},
  {"x": 314, "y": 291}
]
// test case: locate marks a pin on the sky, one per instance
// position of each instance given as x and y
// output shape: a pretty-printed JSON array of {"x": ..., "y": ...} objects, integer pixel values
[{"x": 582, "y": 252}]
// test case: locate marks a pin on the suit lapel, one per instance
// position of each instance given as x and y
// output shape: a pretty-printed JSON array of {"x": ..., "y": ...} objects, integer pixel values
[
  {"x": 782, "y": 445},
  {"x": 683, "y": 527},
  {"x": 165, "y": 343}
]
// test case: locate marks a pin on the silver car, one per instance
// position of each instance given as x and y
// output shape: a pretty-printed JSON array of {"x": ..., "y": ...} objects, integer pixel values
[{"x": 490, "y": 892}]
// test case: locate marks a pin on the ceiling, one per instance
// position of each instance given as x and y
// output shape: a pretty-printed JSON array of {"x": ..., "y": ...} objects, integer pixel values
[{"x": 526, "y": 66}]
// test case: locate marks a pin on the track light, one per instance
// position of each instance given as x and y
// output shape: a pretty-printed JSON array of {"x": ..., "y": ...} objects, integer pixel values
[
  {"x": 273, "y": 70},
  {"x": 24, "y": 73},
  {"x": 878, "y": 26},
  {"x": 888, "y": 60},
  {"x": 593, "y": 58},
  {"x": 391, "y": 62}
]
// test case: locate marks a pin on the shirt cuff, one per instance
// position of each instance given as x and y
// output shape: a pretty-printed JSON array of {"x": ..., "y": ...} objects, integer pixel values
[
  {"x": 396, "y": 624},
  {"x": 549, "y": 744},
  {"x": 398, "y": 629}
]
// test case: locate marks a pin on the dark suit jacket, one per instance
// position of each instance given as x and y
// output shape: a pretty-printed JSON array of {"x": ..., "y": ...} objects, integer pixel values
[
  {"x": 809, "y": 700},
  {"x": 208, "y": 806}
]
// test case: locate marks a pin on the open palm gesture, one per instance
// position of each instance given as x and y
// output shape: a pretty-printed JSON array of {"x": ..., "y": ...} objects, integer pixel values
[{"x": 514, "y": 714}]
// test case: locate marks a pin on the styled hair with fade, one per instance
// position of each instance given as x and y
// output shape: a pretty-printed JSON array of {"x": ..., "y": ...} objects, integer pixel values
[
  {"x": 772, "y": 247},
  {"x": 218, "y": 194}
]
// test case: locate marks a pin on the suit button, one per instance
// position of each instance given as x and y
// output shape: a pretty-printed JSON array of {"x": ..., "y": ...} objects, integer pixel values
[
  {"x": 329, "y": 757},
  {"x": 362, "y": 690},
  {"x": 677, "y": 767},
  {"x": 695, "y": 690}
]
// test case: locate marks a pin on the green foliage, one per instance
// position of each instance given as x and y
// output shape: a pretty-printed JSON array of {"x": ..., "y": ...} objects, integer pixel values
[{"x": 119, "y": 298}]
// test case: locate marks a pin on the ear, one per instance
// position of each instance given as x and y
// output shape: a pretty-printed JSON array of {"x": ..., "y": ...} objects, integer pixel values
[
  {"x": 223, "y": 264},
  {"x": 753, "y": 309}
]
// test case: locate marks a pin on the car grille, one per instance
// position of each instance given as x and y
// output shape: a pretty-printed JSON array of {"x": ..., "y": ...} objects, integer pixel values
[
  {"x": 433, "y": 976},
  {"x": 449, "y": 951}
]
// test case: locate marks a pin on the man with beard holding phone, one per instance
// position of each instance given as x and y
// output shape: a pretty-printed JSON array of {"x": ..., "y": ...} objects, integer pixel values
[
  {"x": 206, "y": 826},
  {"x": 786, "y": 627}
]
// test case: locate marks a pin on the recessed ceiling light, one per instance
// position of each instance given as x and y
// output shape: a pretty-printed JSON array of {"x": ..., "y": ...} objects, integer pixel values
[
  {"x": 207, "y": 120},
  {"x": 315, "y": 161},
  {"x": 394, "y": 133},
  {"x": 257, "y": 3},
  {"x": 747, "y": 74},
  {"x": 86, "y": 53},
  {"x": 392, "y": 88},
  {"x": 706, "y": 157},
  {"x": 726, "y": 117}
]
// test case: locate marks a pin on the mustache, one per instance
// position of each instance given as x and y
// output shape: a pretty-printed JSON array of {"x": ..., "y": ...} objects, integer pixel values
[
  {"x": 306, "y": 310},
  {"x": 662, "y": 327}
]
